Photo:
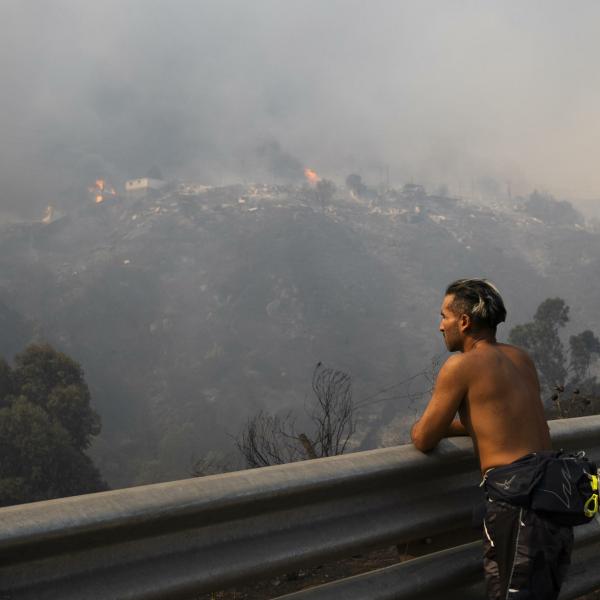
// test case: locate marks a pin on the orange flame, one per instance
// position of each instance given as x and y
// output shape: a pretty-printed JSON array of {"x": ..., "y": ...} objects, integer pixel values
[
  {"x": 101, "y": 190},
  {"x": 312, "y": 177}
]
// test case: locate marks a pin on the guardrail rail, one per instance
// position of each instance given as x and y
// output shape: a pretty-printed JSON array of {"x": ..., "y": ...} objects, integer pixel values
[{"x": 179, "y": 539}]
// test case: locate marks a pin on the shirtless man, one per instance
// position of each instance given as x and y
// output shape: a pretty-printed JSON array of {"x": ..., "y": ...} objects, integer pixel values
[{"x": 494, "y": 389}]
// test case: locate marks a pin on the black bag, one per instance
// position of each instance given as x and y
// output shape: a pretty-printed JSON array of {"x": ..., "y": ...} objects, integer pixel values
[
  {"x": 567, "y": 492},
  {"x": 563, "y": 487}
]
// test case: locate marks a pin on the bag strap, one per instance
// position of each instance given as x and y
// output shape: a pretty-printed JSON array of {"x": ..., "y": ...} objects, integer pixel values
[{"x": 590, "y": 508}]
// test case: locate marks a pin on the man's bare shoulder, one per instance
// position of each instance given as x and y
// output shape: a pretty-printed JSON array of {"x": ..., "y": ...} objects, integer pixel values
[
  {"x": 454, "y": 361},
  {"x": 466, "y": 366},
  {"x": 473, "y": 363},
  {"x": 517, "y": 354},
  {"x": 455, "y": 366}
]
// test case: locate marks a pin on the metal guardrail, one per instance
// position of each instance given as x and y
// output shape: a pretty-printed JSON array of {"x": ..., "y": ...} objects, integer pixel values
[
  {"x": 179, "y": 539},
  {"x": 454, "y": 574}
]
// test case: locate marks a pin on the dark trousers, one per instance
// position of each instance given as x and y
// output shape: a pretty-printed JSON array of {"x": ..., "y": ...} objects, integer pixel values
[{"x": 525, "y": 555}]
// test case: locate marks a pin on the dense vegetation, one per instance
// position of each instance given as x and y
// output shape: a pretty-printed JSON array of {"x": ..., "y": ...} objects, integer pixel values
[
  {"x": 566, "y": 373},
  {"x": 46, "y": 425}
]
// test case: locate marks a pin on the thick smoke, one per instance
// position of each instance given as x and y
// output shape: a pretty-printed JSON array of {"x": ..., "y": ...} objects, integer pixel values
[
  {"x": 229, "y": 90},
  {"x": 280, "y": 163}
]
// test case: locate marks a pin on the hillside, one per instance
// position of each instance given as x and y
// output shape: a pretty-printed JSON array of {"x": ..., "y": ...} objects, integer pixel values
[{"x": 193, "y": 308}]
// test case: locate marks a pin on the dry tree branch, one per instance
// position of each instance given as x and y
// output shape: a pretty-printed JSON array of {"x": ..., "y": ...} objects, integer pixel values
[
  {"x": 265, "y": 440},
  {"x": 334, "y": 412},
  {"x": 268, "y": 440}
]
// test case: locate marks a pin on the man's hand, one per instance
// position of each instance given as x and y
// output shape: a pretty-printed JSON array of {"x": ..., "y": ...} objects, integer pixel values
[{"x": 437, "y": 420}]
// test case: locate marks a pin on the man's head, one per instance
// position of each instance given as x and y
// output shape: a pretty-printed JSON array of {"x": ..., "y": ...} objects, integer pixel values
[{"x": 471, "y": 307}]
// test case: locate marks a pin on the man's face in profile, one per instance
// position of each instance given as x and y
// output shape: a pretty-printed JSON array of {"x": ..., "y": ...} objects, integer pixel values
[{"x": 449, "y": 325}]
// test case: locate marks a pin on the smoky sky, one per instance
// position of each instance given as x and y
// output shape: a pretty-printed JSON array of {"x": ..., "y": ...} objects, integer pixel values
[{"x": 435, "y": 92}]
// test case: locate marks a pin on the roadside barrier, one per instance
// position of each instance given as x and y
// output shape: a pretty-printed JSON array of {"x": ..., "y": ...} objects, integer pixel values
[{"x": 179, "y": 539}]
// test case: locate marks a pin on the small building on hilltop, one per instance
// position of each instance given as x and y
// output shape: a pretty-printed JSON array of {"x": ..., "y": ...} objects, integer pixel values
[{"x": 144, "y": 184}]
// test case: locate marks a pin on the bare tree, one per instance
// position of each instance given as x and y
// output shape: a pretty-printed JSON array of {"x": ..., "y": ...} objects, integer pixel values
[
  {"x": 270, "y": 440},
  {"x": 333, "y": 413}
]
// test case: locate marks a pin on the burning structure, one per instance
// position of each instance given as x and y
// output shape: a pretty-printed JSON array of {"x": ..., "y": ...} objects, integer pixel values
[{"x": 101, "y": 191}]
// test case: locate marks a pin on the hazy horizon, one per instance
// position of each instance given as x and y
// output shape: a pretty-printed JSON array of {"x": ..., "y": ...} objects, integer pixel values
[{"x": 439, "y": 93}]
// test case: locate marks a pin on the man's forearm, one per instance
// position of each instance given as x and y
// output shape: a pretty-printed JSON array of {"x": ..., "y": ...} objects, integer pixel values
[{"x": 425, "y": 440}]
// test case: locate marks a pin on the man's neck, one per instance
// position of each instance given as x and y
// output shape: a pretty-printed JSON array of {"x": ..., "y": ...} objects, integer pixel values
[{"x": 472, "y": 342}]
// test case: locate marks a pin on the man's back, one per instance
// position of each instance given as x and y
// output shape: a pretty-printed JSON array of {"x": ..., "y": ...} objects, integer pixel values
[{"x": 502, "y": 409}]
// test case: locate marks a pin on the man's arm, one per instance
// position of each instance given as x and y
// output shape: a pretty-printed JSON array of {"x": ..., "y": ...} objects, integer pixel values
[{"x": 437, "y": 420}]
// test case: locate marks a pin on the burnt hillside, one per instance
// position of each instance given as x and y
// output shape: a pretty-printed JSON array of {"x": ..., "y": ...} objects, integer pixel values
[{"x": 190, "y": 309}]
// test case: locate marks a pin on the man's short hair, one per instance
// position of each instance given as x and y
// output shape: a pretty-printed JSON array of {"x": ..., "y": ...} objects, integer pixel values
[{"x": 480, "y": 299}]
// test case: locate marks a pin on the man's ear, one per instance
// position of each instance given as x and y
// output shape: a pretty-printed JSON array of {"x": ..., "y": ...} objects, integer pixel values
[{"x": 464, "y": 322}]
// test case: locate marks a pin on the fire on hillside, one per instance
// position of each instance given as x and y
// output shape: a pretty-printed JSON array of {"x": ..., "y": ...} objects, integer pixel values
[
  {"x": 101, "y": 191},
  {"x": 311, "y": 176}
]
